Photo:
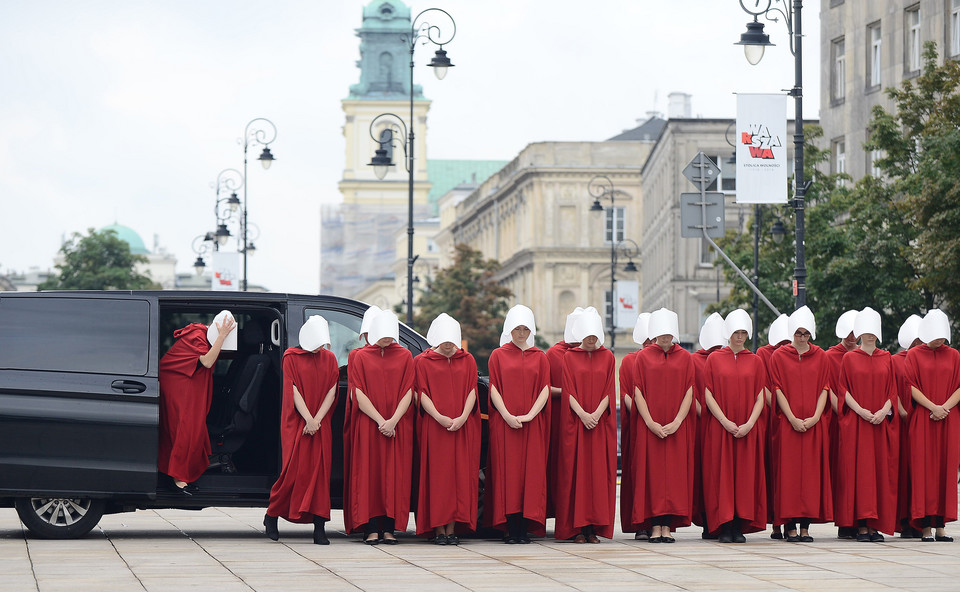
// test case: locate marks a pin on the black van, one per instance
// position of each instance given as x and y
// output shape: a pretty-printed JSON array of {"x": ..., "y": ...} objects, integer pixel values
[{"x": 79, "y": 399}]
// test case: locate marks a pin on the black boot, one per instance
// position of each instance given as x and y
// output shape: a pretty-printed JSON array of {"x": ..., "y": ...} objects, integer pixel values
[
  {"x": 726, "y": 533},
  {"x": 319, "y": 531},
  {"x": 737, "y": 532},
  {"x": 270, "y": 523}
]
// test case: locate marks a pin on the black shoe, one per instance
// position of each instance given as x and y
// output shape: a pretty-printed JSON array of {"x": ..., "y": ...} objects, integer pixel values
[
  {"x": 440, "y": 539},
  {"x": 793, "y": 538},
  {"x": 776, "y": 535},
  {"x": 642, "y": 535},
  {"x": 924, "y": 539},
  {"x": 739, "y": 538},
  {"x": 453, "y": 539},
  {"x": 668, "y": 539},
  {"x": 944, "y": 539},
  {"x": 270, "y": 526},
  {"x": 655, "y": 539},
  {"x": 371, "y": 539},
  {"x": 391, "y": 541},
  {"x": 863, "y": 537},
  {"x": 876, "y": 537},
  {"x": 320, "y": 534},
  {"x": 524, "y": 539},
  {"x": 846, "y": 532},
  {"x": 707, "y": 536},
  {"x": 725, "y": 537},
  {"x": 806, "y": 539},
  {"x": 511, "y": 540}
]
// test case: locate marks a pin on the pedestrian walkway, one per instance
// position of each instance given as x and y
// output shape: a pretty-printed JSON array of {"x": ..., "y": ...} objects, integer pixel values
[{"x": 224, "y": 549}]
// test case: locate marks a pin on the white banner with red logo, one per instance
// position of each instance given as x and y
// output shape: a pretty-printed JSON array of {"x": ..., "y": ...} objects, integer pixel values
[
  {"x": 762, "y": 166},
  {"x": 226, "y": 270},
  {"x": 627, "y": 305}
]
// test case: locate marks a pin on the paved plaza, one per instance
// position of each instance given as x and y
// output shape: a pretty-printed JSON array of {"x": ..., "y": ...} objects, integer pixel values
[{"x": 224, "y": 549}]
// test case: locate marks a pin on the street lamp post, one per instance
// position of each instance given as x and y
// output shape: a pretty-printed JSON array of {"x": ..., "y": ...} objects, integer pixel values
[
  {"x": 601, "y": 187},
  {"x": 229, "y": 180},
  {"x": 382, "y": 159},
  {"x": 254, "y": 133},
  {"x": 754, "y": 41}
]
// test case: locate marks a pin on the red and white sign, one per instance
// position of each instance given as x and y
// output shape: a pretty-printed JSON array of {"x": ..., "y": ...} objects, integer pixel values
[
  {"x": 226, "y": 270},
  {"x": 762, "y": 165}
]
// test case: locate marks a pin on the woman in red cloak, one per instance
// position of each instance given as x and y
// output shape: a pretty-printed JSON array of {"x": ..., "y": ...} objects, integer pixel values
[
  {"x": 711, "y": 339},
  {"x": 628, "y": 469},
  {"x": 446, "y": 380},
  {"x": 555, "y": 356},
  {"x": 734, "y": 483},
  {"x": 516, "y": 492},
  {"x": 587, "y": 471},
  {"x": 908, "y": 339},
  {"x": 933, "y": 371},
  {"x": 663, "y": 452},
  {"x": 379, "y": 441},
  {"x": 835, "y": 353},
  {"x": 778, "y": 335},
  {"x": 868, "y": 457},
  {"x": 801, "y": 380},
  {"x": 186, "y": 391},
  {"x": 310, "y": 375}
]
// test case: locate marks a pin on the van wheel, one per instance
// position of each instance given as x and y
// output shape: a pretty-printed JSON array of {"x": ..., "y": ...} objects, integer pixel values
[{"x": 59, "y": 518}]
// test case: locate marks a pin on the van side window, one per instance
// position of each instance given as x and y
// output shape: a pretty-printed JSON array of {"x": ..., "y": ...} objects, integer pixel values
[
  {"x": 91, "y": 335},
  {"x": 344, "y": 332}
]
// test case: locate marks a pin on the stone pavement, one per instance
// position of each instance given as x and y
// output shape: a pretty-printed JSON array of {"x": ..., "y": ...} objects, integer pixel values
[{"x": 224, "y": 549}]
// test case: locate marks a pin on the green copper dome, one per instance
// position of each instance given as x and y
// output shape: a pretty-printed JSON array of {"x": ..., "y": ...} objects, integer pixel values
[{"x": 130, "y": 236}]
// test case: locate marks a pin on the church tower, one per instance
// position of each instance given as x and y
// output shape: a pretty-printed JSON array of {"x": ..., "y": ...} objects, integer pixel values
[{"x": 359, "y": 245}]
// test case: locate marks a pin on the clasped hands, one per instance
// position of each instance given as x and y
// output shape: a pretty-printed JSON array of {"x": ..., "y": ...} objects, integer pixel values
[
  {"x": 662, "y": 431},
  {"x": 874, "y": 418},
  {"x": 802, "y": 425},
  {"x": 738, "y": 431},
  {"x": 939, "y": 413},
  {"x": 312, "y": 427},
  {"x": 451, "y": 424}
]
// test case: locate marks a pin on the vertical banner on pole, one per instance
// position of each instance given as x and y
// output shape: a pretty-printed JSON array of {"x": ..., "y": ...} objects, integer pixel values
[
  {"x": 762, "y": 164},
  {"x": 626, "y": 306},
  {"x": 226, "y": 271}
]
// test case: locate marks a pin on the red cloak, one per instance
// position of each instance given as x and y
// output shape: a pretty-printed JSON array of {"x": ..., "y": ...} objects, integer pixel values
[
  {"x": 664, "y": 477},
  {"x": 303, "y": 489},
  {"x": 906, "y": 401},
  {"x": 934, "y": 445},
  {"x": 803, "y": 488},
  {"x": 380, "y": 469},
  {"x": 699, "y": 363},
  {"x": 627, "y": 376},
  {"x": 587, "y": 468},
  {"x": 867, "y": 471},
  {"x": 517, "y": 459},
  {"x": 555, "y": 357},
  {"x": 771, "y": 421},
  {"x": 449, "y": 461},
  {"x": 734, "y": 476},
  {"x": 835, "y": 354},
  {"x": 186, "y": 390}
]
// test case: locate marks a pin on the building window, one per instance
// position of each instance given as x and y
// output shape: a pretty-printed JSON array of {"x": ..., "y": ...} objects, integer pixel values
[
  {"x": 707, "y": 254},
  {"x": 872, "y": 157},
  {"x": 954, "y": 20},
  {"x": 838, "y": 77},
  {"x": 839, "y": 157},
  {"x": 874, "y": 55},
  {"x": 607, "y": 306},
  {"x": 911, "y": 41},
  {"x": 614, "y": 227},
  {"x": 728, "y": 174}
]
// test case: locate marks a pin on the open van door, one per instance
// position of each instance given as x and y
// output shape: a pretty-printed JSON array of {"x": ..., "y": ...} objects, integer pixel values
[{"x": 79, "y": 395}]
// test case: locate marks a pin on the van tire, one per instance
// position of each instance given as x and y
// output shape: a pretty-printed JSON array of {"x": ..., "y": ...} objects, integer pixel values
[{"x": 59, "y": 518}]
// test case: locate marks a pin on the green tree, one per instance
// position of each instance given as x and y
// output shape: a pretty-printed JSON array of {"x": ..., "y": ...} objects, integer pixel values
[
  {"x": 920, "y": 146},
  {"x": 98, "y": 261},
  {"x": 468, "y": 292}
]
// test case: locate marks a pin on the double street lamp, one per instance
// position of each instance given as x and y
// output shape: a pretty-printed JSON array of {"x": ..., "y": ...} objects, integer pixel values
[
  {"x": 754, "y": 42},
  {"x": 601, "y": 187},
  {"x": 383, "y": 157},
  {"x": 263, "y": 132}
]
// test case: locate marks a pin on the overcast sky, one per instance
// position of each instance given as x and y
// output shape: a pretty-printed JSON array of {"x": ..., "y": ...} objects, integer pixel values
[{"x": 126, "y": 110}]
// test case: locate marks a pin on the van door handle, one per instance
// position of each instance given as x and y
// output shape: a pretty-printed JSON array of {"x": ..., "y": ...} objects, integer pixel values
[{"x": 128, "y": 387}]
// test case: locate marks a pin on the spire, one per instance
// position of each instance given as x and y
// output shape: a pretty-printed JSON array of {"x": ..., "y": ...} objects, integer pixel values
[{"x": 384, "y": 52}]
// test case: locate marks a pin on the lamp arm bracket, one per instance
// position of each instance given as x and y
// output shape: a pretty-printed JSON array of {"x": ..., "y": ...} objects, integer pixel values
[
  {"x": 260, "y": 134},
  {"x": 431, "y": 33}
]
